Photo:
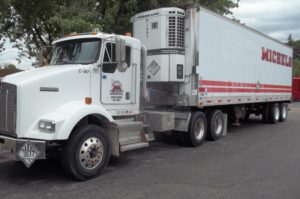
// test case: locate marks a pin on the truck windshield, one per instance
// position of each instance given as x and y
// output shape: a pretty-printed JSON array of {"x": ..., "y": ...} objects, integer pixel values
[{"x": 77, "y": 51}]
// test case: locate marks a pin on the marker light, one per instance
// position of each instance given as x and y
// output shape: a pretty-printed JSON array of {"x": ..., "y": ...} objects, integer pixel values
[{"x": 128, "y": 34}]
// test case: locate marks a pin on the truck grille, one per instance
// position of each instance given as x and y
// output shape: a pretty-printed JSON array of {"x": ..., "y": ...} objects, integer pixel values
[{"x": 8, "y": 108}]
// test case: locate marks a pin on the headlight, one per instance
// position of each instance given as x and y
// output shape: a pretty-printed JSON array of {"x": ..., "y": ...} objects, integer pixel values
[{"x": 47, "y": 125}]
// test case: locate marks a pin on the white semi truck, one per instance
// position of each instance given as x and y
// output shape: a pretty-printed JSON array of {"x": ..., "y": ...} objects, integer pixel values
[{"x": 184, "y": 71}]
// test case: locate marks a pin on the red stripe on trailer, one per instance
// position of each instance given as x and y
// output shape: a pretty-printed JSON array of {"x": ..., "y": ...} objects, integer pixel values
[
  {"x": 240, "y": 84},
  {"x": 242, "y": 90},
  {"x": 275, "y": 86},
  {"x": 201, "y": 90},
  {"x": 223, "y": 83}
]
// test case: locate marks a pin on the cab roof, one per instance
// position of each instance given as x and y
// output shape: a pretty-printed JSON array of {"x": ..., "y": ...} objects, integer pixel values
[{"x": 99, "y": 35}]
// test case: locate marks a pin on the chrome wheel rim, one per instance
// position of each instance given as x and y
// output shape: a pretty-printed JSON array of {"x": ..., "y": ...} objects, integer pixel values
[
  {"x": 199, "y": 129},
  {"x": 277, "y": 113},
  {"x": 218, "y": 125},
  {"x": 91, "y": 153},
  {"x": 284, "y": 112}
]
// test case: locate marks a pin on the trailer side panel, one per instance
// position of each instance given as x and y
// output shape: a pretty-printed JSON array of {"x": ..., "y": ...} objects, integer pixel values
[{"x": 238, "y": 65}]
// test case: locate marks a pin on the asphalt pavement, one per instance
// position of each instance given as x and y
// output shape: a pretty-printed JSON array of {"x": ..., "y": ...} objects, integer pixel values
[{"x": 255, "y": 160}]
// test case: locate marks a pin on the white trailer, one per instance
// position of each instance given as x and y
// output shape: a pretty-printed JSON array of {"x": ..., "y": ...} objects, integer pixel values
[{"x": 185, "y": 71}]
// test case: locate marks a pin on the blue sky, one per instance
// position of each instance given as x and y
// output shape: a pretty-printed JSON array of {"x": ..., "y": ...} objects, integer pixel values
[{"x": 275, "y": 18}]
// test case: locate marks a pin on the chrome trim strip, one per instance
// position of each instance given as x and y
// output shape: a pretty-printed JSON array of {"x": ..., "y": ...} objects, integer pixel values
[
  {"x": 166, "y": 51},
  {"x": 20, "y": 139}
]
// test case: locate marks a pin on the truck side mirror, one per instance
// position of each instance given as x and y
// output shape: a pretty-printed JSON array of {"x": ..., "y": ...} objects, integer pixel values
[
  {"x": 109, "y": 67},
  {"x": 121, "y": 55}
]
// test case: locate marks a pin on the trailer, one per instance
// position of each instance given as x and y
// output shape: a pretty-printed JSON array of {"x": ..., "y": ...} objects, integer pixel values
[
  {"x": 188, "y": 72},
  {"x": 296, "y": 89}
]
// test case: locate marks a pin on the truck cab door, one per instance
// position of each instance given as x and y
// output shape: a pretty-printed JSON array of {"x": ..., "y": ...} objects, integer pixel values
[{"x": 117, "y": 87}]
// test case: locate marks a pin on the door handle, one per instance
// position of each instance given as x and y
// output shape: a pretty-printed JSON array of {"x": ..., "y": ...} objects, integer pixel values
[{"x": 127, "y": 95}]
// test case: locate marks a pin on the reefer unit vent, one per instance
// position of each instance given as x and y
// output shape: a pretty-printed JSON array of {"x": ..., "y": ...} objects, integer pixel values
[{"x": 176, "y": 31}]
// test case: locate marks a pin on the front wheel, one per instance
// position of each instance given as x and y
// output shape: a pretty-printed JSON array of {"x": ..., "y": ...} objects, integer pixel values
[
  {"x": 197, "y": 130},
  {"x": 86, "y": 153}
]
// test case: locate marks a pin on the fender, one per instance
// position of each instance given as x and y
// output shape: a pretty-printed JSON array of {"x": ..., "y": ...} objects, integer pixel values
[{"x": 65, "y": 118}]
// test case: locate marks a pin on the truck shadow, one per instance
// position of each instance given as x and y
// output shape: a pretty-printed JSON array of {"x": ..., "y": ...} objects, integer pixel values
[
  {"x": 50, "y": 170},
  {"x": 42, "y": 170}
]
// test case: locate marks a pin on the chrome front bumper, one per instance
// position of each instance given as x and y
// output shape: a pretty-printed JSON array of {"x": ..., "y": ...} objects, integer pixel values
[{"x": 24, "y": 150}]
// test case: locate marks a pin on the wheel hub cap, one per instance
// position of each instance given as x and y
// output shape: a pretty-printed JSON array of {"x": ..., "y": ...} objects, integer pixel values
[
  {"x": 218, "y": 125},
  {"x": 284, "y": 112},
  {"x": 199, "y": 129},
  {"x": 91, "y": 153}
]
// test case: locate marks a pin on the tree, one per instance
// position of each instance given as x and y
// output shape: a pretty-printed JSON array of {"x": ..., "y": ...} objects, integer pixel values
[
  {"x": 290, "y": 40},
  {"x": 296, "y": 68},
  {"x": 295, "y": 44},
  {"x": 38, "y": 23},
  {"x": 10, "y": 67},
  {"x": 296, "y": 49}
]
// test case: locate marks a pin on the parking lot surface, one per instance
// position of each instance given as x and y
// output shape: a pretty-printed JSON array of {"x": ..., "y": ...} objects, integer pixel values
[{"x": 255, "y": 160}]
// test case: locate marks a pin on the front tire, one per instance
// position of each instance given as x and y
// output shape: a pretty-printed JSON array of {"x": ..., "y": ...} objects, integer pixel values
[
  {"x": 197, "y": 130},
  {"x": 86, "y": 153}
]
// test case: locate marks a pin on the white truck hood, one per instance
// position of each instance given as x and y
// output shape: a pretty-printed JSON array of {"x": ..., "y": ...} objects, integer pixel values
[
  {"x": 33, "y": 75},
  {"x": 43, "y": 90}
]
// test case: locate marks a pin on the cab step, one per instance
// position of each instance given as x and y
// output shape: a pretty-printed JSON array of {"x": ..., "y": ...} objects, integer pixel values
[
  {"x": 133, "y": 146},
  {"x": 133, "y": 134}
]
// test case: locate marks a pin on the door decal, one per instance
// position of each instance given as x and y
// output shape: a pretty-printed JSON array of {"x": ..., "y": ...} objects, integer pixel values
[{"x": 116, "y": 92}]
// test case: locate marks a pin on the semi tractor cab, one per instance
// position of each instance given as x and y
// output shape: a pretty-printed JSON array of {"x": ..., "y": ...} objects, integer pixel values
[{"x": 184, "y": 71}]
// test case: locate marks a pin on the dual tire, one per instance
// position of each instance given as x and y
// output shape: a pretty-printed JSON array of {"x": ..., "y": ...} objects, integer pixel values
[
  {"x": 216, "y": 124},
  {"x": 283, "y": 107},
  {"x": 201, "y": 127},
  {"x": 274, "y": 113},
  {"x": 197, "y": 130}
]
